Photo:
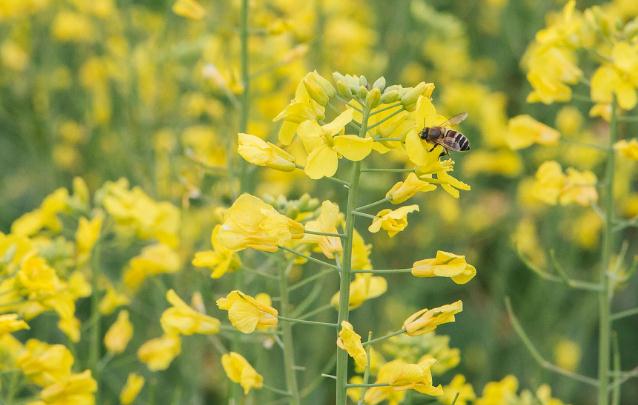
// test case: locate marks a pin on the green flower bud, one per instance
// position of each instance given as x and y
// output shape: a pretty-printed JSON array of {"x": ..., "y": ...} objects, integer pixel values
[
  {"x": 410, "y": 97},
  {"x": 379, "y": 83},
  {"x": 363, "y": 81},
  {"x": 390, "y": 96},
  {"x": 343, "y": 90},
  {"x": 362, "y": 93},
  {"x": 319, "y": 89},
  {"x": 373, "y": 97}
]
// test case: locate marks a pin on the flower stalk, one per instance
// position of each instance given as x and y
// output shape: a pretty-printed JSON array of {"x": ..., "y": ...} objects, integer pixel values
[
  {"x": 287, "y": 337},
  {"x": 346, "y": 266}
]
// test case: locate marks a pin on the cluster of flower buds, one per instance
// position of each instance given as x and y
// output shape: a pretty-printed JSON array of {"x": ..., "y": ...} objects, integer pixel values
[
  {"x": 376, "y": 93},
  {"x": 304, "y": 206}
]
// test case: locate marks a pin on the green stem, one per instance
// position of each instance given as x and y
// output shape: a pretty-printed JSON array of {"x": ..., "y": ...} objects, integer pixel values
[
  {"x": 309, "y": 280},
  {"x": 389, "y": 107},
  {"x": 95, "y": 344},
  {"x": 315, "y": 311},
  {"x": 615, "y": 390},
  {"x": 366, "y": 373},
  {"x": 374, "y": 204},
  {"x": 624, "y": 314},
  {"x": 363, "y": 214},
  {"x": 604, "y": 296},
  {"x": 394, "y": 114},
  {"x": 384, "y": 271},
  {"x": 336, "y": 235},
  {"x": 289, "y": 348},
  {"x": 312, "y": 259},
  {"x": 306, "y": 322},
  {"x": 346, "y": 266},
  {"x": 245, "y": 95},
  {"x": 384, "y": 337},
  {"x": 372, "y": 170}
]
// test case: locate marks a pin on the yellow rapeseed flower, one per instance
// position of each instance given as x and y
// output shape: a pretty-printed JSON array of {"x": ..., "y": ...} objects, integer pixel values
[
  {"x": 458, "y": 386},
  {"x": 112, "y": 299},
  {"x": 44, "y": 364},
  {"x": 241, "y": 372},
  {"x": 153, "y": 260},
  {"x": 628, "y": 149},
  {"x": 350, "y": 341},
  {"x": 132, "y": 387},
  {"x": 499, "y": 392},
  {"x": 364, "y": 287},
  {"x": 72, "y": 27},
  {"x": 401, "y": 376},
  {"x": 10, "y": 323},
  {"x": 184, "y": 320},
  {"x": 392, "y": 221},
  {"x": 119, "y": 334},
  {"x": 567, "y": 354},
  {"x": 552, "y": 186},
  {"x": 251, "y": 223},
  {"x": 261, "y": 153},
  {"x": 248, "y": 314},
  {"x": 404, "y": 190},
  {"x": 325, "y": 144},
  {"x": 445, "y": 264},
  {"x": 220, "y": 260},
  {"x": 86, "y": 236},
  {"x": 74, "y": 389},
  {"x": 190, "y": 9},
  {"x": 302, "y": 108},
  {"x": 524, "y": 131},
  {"x": 427, "y": 320},
  {"x": 419, "y": 151},
  {"x": 158, "y": 353},
  {"x": 328, "y": 220}
]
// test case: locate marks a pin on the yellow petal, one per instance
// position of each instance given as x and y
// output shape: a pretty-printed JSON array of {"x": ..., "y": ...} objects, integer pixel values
[
  {"x": 353, "y": 147},
  {"x": 322, "y": 162}
]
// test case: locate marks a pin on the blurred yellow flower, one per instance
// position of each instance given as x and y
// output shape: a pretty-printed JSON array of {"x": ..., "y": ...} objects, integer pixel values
[
  {"x": 86, "y": 236},
  {"x": 112, "y": 299},
  {"x": 552, "y": 186},
  {"x": 261, "y": 153},
  {"x": 524, "y": 131},
  {"x": 427, "y": 320},
  {"x": 567, "y": 354},
  {"x": 119, "y": 334},
  {"x": 189, "y": 9},
  {"x": 499, "y": 392},
  {"x": 360, "y": 253},
  {"x": 221, "y": 259},
  {"x": 44, "y": 364},
  {"x": 241, "y": 372},
  {"x": 251, "y": 223},
  {"x": 326, "y": 143},
  {"x": 501, "y": 162},
  {"x": 619, "y": 78},
  {"x": 458, "y": 386},
  {"x": 401, "y": 376},
  {"x": 301, "y": 108},
  {"x": 10, "y": 323},
  {"x": 248, "y": 314},
  {"x": 404, "y": 190},
  {"x": 158, "y": 353},
  {"x": 184, "y": 320},
  {"x": 365, "y": 286},
  {"x": 73, "y": 389},
  {"x": 327, "y": 222},
  {"x": 392, "y": 221},
  {"x": 445, "y": 264},
  {"x": 132, "y": 387},
  {"x": 46, "y": 216},
  {"x": 628, "y": 149},
  {"x": 350, "y": 341},
  {"x": 72, "y": 27},
  {"x": 153, "y": 260}
]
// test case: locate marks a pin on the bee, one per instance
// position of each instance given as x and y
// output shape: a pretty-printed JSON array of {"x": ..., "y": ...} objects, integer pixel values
[{"x": 446, "y": 137}]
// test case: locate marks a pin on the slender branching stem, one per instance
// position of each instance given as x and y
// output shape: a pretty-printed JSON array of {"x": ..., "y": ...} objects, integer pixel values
[
  {"x": 624, "y": 314},
  {"x": 312, "y": 259},
  {"x": 383, "y": 271},
  {"x": 384, "y": 337},
  {"x": 389, "y": 117},
  {"x": 336, "y": 235},
  {"x": 306, "y": 322},
  {"x": 374, "y": 204},
  {"x": 366, "y": 373},
  {"x": 95, "y": 342},
  {"x": 288, "y": 341},
  {"x": 386, "y": 108}
]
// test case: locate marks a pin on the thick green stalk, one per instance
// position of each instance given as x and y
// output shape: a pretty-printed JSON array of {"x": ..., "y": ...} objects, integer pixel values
[
  {"x": 95, "y": 343},
  {"x": 289, "y": 348},
  {"x": 346, "y": 266},
  {"x": 604, "y": 296}
]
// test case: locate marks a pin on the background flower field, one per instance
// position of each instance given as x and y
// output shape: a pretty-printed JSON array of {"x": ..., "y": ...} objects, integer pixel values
[{"x": 187, "y": 187}]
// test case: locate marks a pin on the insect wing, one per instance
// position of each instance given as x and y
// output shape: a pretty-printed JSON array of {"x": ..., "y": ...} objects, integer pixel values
[{"x": 457, "y": 119}]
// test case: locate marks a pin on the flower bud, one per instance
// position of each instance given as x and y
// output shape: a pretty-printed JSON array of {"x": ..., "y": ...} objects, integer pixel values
[
  {"x": 363, "y": 81},
  {"x": 319, "y": 89},
  {"x": 343, "y": 90},
  {"x": 426, "y": 320},
  {"x": 362, "y": 92},
  {"x": 379, "y": 83},
  {"x": 261, "y": 153},
  {"x": 373, "y": 98},
  {"x": 410, "y": 97},
  {"x": 390, "y": 96}
]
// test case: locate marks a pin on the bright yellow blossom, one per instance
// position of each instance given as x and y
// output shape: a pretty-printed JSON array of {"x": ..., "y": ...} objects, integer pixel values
[
  {"x": 154, "y": 259},
  {"x": 419, "y": 151},
  {"x": 251, "y": 223},
  {"x": 350, "y": 341},
  {"x": 72, "y": 27},
  {"x": 365, "y": 286},
  {"x": 119, "y": 334},
  {"x": 427, "y": 320},
  {"x": 567, "y": 354},
  {"x": 74, "y": 389},
  {"x": 132, "y": 387},
  {"x": 46, "y": 216},
  {"x": 401, "y": 376},
  {"x": 158, "y": 353},
  {"x": 326, "y": 143},
  {"x": 44, "y": 364},
  {"x": 392, "y": 221},
  {"x": 261, "y": 153},
  {"x": 499, "y": 392},
  {"x": 524, "y": 131},
  {"x": 628, "y": 149},
  {"x": 404, "y": 190},
  {"x": 184, "y": 320},
  {"x": 445, "y": 264},
  {"x": 190, "y": 9},
  {"x": 552, "y": 186},
  {"x": 10, "y": 323},
  {"x": 112, "y": 299},
  {"x": 247, "y": 313},
  {"x": 301, "y": 108},
  {"x": 241, "y": 372},
  {"x": 458, "y": 386},
  {"x": 327, "y": 222},
  {"x": 86, "y": 236},
  {"x": 221, "y": 259}
]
